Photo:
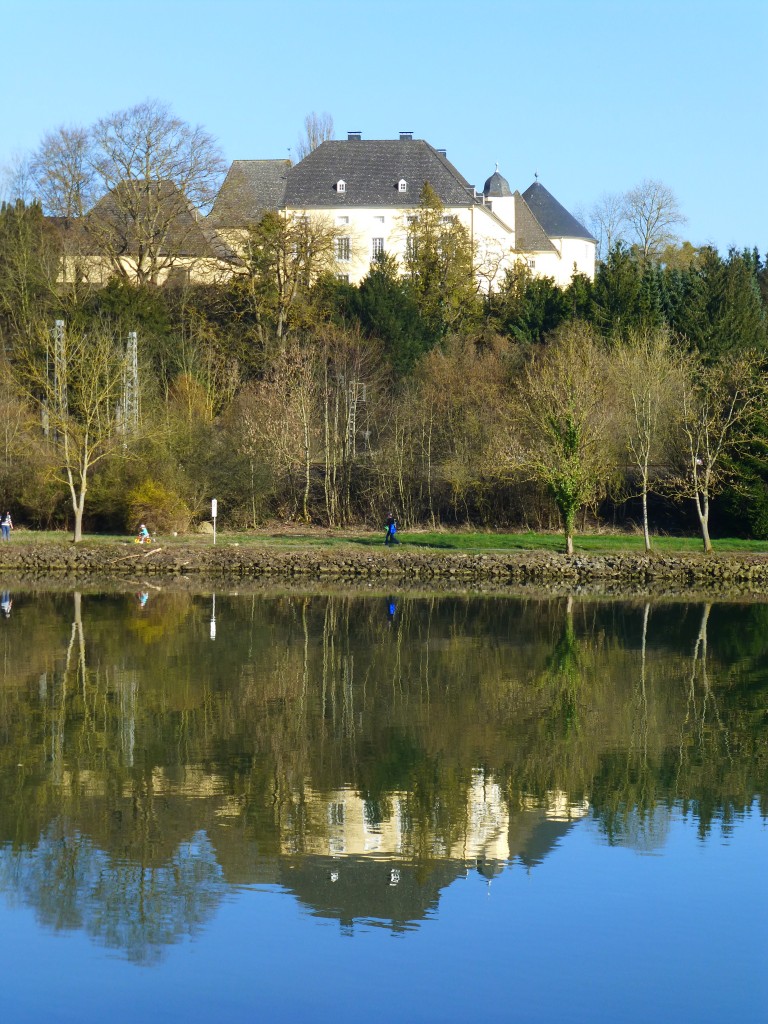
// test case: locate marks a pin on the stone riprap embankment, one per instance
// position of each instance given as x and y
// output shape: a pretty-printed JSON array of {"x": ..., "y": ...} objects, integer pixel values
[{"x": 253, "y": 561}]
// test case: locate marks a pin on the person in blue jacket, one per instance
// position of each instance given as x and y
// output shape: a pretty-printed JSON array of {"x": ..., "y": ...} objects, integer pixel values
[{"x": 391, "y": 527}]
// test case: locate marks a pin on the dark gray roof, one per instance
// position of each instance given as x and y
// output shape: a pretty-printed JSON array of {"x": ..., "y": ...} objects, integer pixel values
[
  {"x": 250, "y": 188},
  {"x": 553, "y": 217},
  {"x": 497, "y": 186},
  {"x": 530, "y": 236},
  {"x": 135, "y": 209},
  {"x": 371, "y": 170}
]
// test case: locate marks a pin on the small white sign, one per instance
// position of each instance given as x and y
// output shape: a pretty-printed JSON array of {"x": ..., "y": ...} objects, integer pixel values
[{"x": 214, "y": 508}]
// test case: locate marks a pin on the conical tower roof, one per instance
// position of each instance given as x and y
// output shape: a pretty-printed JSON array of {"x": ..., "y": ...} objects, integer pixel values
[{"x": 553, "y": 217}]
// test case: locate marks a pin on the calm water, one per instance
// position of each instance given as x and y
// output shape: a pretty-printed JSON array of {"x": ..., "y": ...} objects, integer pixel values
[{"x": 336, "y": 808}]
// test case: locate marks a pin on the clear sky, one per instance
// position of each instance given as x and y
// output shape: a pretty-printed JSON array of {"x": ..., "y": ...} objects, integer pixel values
[{"x": 594, "y": 95}]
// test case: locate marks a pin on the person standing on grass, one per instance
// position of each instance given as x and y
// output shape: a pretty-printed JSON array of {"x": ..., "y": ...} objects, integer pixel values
[
  {"x": 391, "y": 527},
  {"x": 6, "y": 524}
]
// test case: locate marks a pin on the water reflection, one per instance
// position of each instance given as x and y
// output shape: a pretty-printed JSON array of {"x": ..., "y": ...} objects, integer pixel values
[{"x": 157, "y": 752}]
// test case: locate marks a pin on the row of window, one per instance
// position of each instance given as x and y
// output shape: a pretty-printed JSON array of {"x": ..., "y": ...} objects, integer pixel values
[
  {"x": 344, "y": 249},
  {"x": 411, "y": 219},
  {"x": 341, "y": 185}
]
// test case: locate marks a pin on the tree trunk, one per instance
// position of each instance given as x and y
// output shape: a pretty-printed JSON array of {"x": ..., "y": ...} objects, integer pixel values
[
  {"x": 702, "y": 511},
  {"x": 646, "y": 532}
]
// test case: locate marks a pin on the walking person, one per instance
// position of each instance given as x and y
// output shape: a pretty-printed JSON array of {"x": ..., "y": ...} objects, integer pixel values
[
  {"x": 391, "y": 527},
  {"x": 6, "y": 524}
]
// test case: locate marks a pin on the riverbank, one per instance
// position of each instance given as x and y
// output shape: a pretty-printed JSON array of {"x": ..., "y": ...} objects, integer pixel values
[{"x": 233, "y": 562}]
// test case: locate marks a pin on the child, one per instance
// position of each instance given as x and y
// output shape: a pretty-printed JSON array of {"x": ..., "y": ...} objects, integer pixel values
[{"x": 143, "y": 537}]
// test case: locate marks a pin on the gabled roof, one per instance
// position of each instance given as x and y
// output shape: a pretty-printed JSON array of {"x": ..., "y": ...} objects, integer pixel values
[
  {"x": 530, "y": 236},
  {"x": 136, "y": 209},
  {"x": 371, "y": 170},
  {"x": 553, "y": 217},
  {"x": 250, "y": 188}
]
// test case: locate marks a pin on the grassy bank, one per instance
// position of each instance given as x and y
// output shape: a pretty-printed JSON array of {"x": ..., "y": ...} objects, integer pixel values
[{"x": 439, "y": 540}]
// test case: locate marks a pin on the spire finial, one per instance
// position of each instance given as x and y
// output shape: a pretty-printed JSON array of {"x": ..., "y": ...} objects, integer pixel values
[
  {"x": 497, "y": 166},
  {"x": 536, "y": 175}
]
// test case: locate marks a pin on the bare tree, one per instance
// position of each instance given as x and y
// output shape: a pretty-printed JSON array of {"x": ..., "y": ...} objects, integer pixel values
[
  {"x": 317, "y": 128},
  {"x": 562, "y": 423},
  {"x": 17, "y": 180},
  {"x": 607, "y": 219},
  {"x": 63, "y": 173},
  {"x": 74, "y": 382},
  {"x": 280, "y": 422},
  {"x": 652, "y": 213},
  {"x": 156, "y": 171},
  {"x": 648, "y": 381},
  {"x": 719, "y": 407}
]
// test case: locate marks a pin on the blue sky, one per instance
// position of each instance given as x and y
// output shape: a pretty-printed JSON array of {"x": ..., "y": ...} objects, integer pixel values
[{"x": 594, "y": 95}]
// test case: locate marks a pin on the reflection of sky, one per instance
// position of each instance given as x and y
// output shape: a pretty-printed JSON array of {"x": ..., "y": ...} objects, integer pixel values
[{"x": 593, "y": 933}]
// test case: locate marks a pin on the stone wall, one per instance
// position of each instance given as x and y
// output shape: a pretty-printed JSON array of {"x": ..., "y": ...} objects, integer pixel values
[{"x": 234, "y": 562}]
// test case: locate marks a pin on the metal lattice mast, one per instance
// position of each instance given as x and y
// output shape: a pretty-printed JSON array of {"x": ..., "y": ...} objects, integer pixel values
[{"x": 131, "y": 385}]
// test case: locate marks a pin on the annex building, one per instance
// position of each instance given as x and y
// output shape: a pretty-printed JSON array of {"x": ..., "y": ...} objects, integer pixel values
[{"x": 367, "y": 190}]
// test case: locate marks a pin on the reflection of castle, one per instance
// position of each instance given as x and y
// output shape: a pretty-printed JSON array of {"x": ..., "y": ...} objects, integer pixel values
[
  {"x": 340, "y": 856},
  {"x": 339, "y": 823},
  {"x": 354, "y": 868}
]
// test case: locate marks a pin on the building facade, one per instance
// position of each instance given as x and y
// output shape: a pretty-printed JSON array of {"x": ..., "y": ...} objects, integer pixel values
[{"x": 369, "y": 191}]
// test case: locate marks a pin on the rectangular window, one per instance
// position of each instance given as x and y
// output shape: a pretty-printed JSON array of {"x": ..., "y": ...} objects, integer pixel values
[
  {"x": 378, "y": 247},
  {"x": 344, "y": 278},
  {"x": 342, "y": 248},
  {"x": 378, "y": 220},
  {"x": 342, "y": 220},
  {"x": 336, "y": 813},
  {"x": 530, "y": 262}
]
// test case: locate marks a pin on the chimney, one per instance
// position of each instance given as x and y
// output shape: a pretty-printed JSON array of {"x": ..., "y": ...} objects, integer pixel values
[
  {"x": 406, "y": 136},
  {"x": 442, "y": 152},
  {"x": 354, "y": 136}
]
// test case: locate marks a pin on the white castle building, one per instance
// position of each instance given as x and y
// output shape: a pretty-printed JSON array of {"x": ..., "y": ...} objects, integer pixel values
[{"x": 368, "y": 189}]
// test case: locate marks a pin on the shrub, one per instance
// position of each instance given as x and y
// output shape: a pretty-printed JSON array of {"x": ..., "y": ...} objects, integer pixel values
[{"x": 159, "y": 507}]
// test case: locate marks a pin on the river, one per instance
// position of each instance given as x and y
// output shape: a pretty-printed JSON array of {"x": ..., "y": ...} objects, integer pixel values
[{"x": 343, "y": 806}]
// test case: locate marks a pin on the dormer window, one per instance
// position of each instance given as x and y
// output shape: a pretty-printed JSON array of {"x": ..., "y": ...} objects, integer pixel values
[
  {"x": 341, "y": 185},
  {"x": 402, "y": 185}
]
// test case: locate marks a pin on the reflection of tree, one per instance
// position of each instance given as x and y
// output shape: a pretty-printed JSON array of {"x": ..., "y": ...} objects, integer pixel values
[
  {"x": 467, "y": 711},
  {"x": 563, "y": 674},
  {"x": 73, "y": 884}
]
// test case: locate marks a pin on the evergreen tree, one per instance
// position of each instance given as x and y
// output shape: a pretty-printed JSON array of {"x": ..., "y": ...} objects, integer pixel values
[
  {"x": 388, "y": 310},
  {"x": 528, "y": 308},
  {"x": 29, "y": 264},
  {"x": 616, "y": 301},
  {"x": 439, "y": 263}
]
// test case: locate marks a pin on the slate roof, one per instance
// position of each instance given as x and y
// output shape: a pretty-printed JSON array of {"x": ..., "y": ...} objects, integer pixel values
[
  {"x": 184, "y": 233},
  {"x": 250, "y": 188},
  {"x": 553, "y": 217},
  {"x": 497, "y": 186},
  {"x": 530, "y": 236},
  {"x": 371, "y": 170}
]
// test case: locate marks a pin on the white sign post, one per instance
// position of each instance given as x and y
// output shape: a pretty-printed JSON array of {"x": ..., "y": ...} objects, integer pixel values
[{"x": 214, "y": 513}]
